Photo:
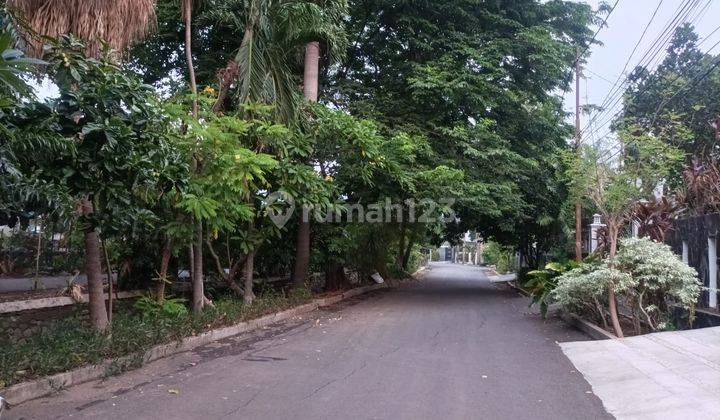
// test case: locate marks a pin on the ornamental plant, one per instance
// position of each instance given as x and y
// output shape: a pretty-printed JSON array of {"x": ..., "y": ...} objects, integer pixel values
[{"x": 648, "y": 278}]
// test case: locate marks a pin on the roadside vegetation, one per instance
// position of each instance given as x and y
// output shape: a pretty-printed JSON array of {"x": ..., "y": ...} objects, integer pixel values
[
  {"x": 69, "y": 343},
  {"x": 663, "y": 167}
]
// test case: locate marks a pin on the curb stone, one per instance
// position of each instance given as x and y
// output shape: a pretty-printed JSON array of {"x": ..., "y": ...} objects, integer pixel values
[
  {"x": 594, "y": 331},
  {"x": 26, "y": 391}
]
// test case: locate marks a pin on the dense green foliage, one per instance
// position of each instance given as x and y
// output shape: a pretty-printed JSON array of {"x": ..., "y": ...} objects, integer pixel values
[
  {"x": 477, "y": 80},
  {"x": 434, "y": 118},
  {"x": 675, "y": 101},
  {"x": 540, "y": 284}
]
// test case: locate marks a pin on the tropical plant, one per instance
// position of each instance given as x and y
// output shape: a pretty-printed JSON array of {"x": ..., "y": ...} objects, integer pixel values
[
  {"x": 541, "y": 283},
  {"x": 615, "y": 189},
  {"x": 702, "y": 185},
  {"x": 660, "y": 280},
  {"x": 655, "y": 218},
  {"x": 167, "y": 308}
]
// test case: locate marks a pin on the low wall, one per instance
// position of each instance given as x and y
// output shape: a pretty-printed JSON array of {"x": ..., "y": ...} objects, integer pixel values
[{"x": 694, "y": 232}]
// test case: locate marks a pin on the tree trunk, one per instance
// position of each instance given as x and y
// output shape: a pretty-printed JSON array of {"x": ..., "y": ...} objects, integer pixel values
[
  {"x": 197, "y": 276},
  {"x": 311, "y": 71},
  {"x": 302, "y": 254},
  {"x": 310, "y": 91},
  {"x": 401, "y": 246},
  {"x": 164, "y": 263},
  {"x": 335, "y": 278},
  {"x": 187, "y": 17},
  {"x": 108, "y": 270},
  {"x": 408, "y": 251},
  {"x": 612, "y": 301},
  {"x": 249, "y": 296},
  {"x": 93, "y": 271}
]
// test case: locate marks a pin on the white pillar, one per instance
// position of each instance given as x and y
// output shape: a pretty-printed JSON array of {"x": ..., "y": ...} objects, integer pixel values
[
  {"x": 685, "y": 252},
  {"x": 594, "y": 226},
  {"x": 712, "y": 272}
]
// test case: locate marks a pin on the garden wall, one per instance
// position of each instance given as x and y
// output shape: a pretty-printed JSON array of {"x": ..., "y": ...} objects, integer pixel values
[{"x": 689, "y": 238}]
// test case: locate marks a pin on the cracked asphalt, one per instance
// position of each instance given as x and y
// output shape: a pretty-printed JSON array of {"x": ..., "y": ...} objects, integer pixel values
[{"x": 451, "y": 346}]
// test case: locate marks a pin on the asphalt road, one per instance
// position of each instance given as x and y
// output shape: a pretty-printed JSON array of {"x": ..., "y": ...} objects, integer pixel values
[{"x": 452, "y": 346}]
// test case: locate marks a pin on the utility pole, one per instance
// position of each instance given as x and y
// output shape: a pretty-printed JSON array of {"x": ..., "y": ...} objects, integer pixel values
[{"x": 578, "y": 206}]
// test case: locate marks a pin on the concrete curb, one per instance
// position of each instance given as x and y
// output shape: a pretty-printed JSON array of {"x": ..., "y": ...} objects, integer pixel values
[
  {"x": 51, "y": 302},
  {"x": 594, "y": 331},
  {"x": 25, "y": 391},
  {"x": 419, "y": 271}
]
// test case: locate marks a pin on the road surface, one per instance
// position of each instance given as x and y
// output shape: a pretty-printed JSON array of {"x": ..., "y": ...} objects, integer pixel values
[{"x": 452, "y": 346}]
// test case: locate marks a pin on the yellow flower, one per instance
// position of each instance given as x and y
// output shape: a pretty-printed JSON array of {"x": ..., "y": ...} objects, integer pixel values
[
  {"x": 208, "y": 90},
  {"x": 328, "y": 178},
  {"x": 238, "y": 157}
]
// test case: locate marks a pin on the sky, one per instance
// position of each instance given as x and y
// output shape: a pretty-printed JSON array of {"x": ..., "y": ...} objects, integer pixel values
[{"x": 624, "y": 28}]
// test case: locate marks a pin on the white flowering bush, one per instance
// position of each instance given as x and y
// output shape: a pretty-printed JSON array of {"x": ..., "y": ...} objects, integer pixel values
[
  {"x": 660, "y": 278},
  {"x": 647, "y": 278}
]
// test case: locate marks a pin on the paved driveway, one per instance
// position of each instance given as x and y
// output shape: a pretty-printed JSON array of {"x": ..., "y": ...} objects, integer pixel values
[
  {"x": 667, "y": 375},
  {"x": 452, "y": 346}
]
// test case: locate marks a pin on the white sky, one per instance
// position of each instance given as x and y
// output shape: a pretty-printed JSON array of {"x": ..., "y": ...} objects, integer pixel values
[{"x": 624, "y": 28}]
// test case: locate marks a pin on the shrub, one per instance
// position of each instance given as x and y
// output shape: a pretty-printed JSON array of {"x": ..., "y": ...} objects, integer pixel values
[
  {"x": 647, "y": 277},
  {"x": 541, "y": 283},
  {"x": 502, "y": 257}
]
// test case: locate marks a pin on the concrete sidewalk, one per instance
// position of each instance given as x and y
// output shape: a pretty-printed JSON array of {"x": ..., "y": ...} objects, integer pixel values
[{"x": 667, "y": 375}]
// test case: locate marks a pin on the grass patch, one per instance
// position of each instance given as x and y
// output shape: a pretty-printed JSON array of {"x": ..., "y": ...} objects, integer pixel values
[{"x": 69, "y": 343}]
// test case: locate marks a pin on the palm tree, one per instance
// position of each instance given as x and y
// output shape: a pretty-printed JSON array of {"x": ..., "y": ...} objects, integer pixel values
[
  {"x": 325, "y": 23},
  {"x": 273, "y": 31},
  {"x": 120, "y": 23}
]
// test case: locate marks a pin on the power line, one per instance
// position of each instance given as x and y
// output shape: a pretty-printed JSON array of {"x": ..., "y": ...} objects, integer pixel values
[
  {"x": 615, "y": 94},
  {"x": 641, "y": 94},
  {"x": 602, "y": 25}
]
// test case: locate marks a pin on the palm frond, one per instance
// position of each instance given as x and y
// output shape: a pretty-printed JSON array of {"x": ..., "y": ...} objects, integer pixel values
[{"x": 120, "y": 23}]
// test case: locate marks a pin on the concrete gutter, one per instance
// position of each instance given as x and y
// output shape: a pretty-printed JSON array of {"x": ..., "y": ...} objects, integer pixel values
[{"x": 25, "y": 391}]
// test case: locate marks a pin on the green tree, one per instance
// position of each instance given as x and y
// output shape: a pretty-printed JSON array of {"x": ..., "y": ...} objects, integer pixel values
[
  {"x": 478, "y": 81},
  {"x": 615, "y": 187},
  {"x": 115, "y": 158}
]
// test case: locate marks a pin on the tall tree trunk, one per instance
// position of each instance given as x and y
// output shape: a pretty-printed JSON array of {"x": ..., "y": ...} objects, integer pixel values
[
  {"x": 302, "y": 254},
  {"x": 401, "y": 246},
  {"x": 612, "y": 301},
  {"x": 197, "y": 257},
  {"x": 93, "y": 271},
  {"x": 197, "y": 275},
  {"x": 310, "y": 90},
  {"x": 187, "y": 17},
  {"x": 164, "y": 263},
  {"x": 248, "y": 295},
  {"x": 408, "y": 250},
  {"x": 311, "y": 71}
]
